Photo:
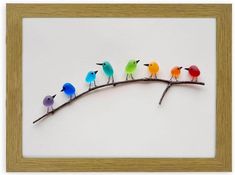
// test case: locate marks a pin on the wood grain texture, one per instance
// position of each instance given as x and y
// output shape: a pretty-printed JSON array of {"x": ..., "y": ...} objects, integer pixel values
[{"x": 15, "y": 159}]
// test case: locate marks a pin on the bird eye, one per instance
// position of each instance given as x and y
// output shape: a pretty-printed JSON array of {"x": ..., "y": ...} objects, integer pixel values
[
  {"x": 48, "y": 99},
  {"x": 150, "y": 64},
  {"x": 92, "y": 73},
  {"x": 104, "y": 64}
]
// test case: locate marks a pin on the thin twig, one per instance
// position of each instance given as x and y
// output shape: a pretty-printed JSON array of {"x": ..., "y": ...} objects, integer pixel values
[
  {"x": 164, "y": 93},
  {"x": 119, "y": 83}
]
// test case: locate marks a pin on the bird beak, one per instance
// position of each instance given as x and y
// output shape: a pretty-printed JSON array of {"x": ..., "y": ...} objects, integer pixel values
[
  {"x": 180, "y": 68},
  {"x": 62, "y": 90},
  {"x": 53, "y": 96},
  {"x": 137, "y": 61},
  {"x": 146, "y": 64},
  {"x": 186, "y": 68},
  {"x": 96, "y": 71},
  {"x": 99, "y": 64}
]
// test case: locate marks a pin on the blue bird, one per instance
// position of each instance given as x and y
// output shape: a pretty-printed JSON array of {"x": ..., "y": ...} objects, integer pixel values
[
  {"x": 69, "y": 90},
  {"x": 108, "y": 70},
  {"x": 90, "y": 78}
]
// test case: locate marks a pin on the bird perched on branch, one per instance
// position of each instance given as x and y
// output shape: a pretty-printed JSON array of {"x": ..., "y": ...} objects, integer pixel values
[
  {"x": 175, "y": 72},
  {"x": 193, "y": 71},
  {"x": 153, "y": 68},
  {"x": 90, "y": 78},
  {"x": 131, "y": 68},
  {"x": 69, "y": 90},
  {"x": 108, "y": 70},
  {"x": 48, "y": 101}
]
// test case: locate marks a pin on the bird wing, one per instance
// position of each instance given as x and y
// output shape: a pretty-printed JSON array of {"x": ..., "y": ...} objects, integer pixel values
[
  {"x": 108, "y": 70},
  {"x": 130, "y": 67},
  {"x": 88, "y": 78}
]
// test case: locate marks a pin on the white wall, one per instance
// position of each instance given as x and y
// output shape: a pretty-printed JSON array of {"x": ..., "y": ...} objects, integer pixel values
[
  {"x": 2, "y": 63},
  {"x": 94, "y": 126}
]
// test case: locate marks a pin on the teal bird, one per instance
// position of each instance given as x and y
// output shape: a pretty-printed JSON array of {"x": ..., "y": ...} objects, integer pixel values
[
  {"x": 131, "y": 68},
  {"x": 108, "y": 70},
  {"x": 90, "y": 78}
]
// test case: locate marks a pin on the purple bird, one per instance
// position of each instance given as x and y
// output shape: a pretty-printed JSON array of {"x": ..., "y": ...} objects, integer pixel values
[{"x": 48, "y": 101}]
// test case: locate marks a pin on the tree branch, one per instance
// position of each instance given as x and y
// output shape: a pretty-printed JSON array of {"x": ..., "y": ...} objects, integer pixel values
[
  {"x": 164, "y": 93},
  {"x": 168, "y": 82}
]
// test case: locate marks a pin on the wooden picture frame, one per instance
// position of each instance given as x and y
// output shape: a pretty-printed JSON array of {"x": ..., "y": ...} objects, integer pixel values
[{"x": 221, "y": 12}]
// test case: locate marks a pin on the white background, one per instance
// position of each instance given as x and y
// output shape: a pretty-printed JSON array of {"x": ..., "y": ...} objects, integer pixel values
[
  {"x": 3, "y": 72},
  {"x": 123, "y": 121}
]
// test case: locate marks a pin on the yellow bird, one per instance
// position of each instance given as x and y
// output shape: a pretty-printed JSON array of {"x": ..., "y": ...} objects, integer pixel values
[
  {"x": 153, "y": 68},
  {"x": 175, "y": 72}
]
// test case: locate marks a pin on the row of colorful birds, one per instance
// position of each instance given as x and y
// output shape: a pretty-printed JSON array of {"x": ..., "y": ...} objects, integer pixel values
[{"x": 130, "y": 69}]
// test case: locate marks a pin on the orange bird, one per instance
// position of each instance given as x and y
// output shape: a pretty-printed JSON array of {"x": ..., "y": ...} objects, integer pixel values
[
  {"x": 153, "y": 68},
  {"x": 175, "y": 72}
]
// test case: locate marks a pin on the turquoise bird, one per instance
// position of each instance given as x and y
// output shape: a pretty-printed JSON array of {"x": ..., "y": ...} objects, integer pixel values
[
  {"x": 131, "y": 68},
  {"x": 108, "y": 70},
  {"x": 90, "y": 78}
]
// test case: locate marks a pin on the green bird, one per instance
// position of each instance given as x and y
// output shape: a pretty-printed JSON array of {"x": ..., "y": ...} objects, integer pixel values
[{"x": 131, "y": 68}]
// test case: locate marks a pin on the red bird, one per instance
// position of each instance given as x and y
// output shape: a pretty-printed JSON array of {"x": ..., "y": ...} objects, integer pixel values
[{"x": 193, "y": 71}]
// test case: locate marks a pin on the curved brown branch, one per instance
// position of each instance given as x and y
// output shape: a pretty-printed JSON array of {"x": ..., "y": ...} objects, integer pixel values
[
  {"x": 164, "y": 93},
  {"x": 170, "y": 83}
]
